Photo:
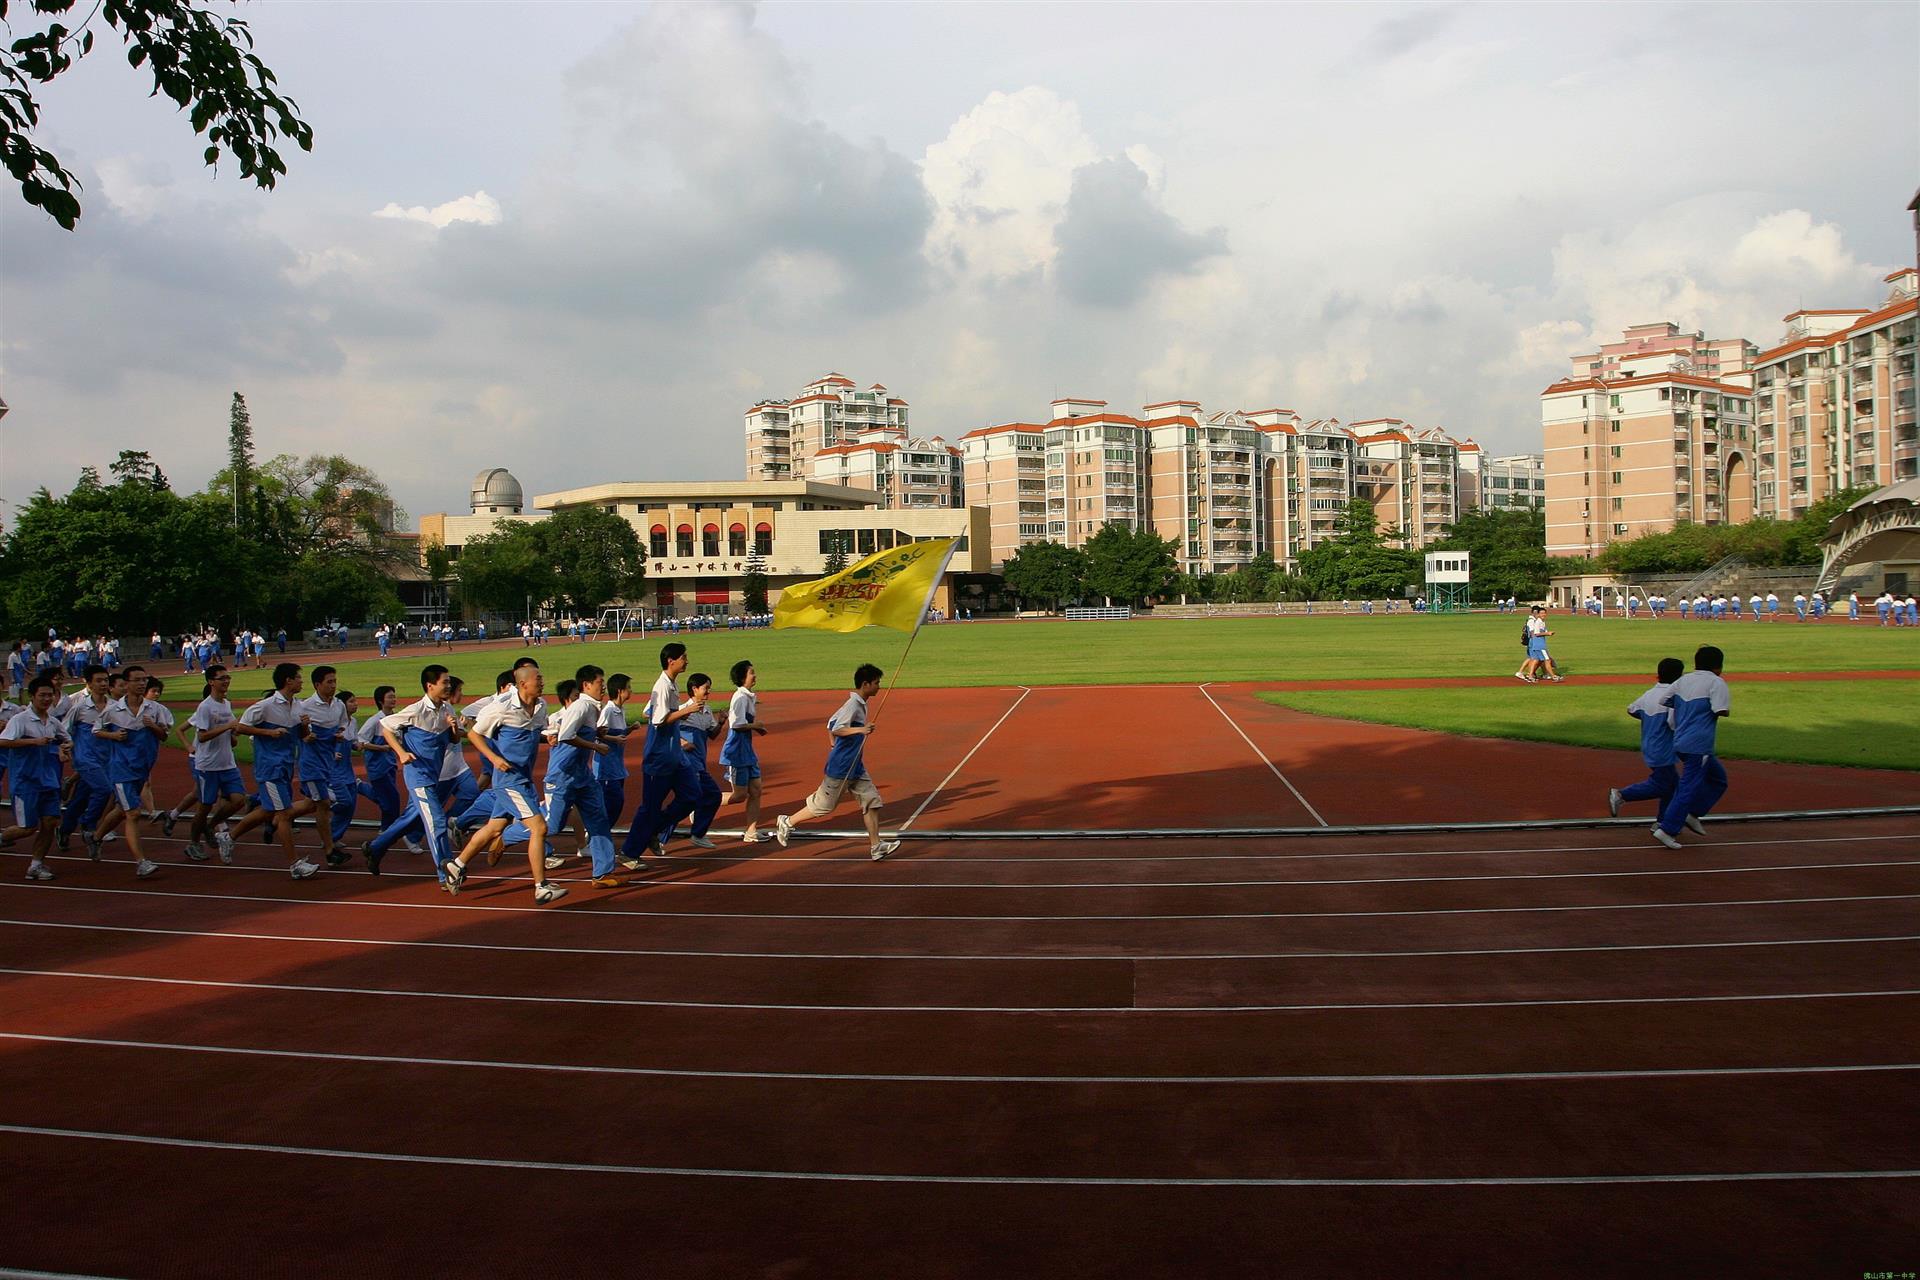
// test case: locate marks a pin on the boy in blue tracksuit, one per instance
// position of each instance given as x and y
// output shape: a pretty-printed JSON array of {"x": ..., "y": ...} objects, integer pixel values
[
  {"x": 134, "y": 728},
  {"x": 696, "y": 781},
  {"x": 662, "y": 805},
  {"x": 324, "y": 721},
  {"x": 91, "y": 790},
  {"x": 610, "y": 770},
  {"x": 419, "y": 736},
  {"x": 275, "y": 721},
  {"x": 507, "y": 734},
  {"x": 570, "y": 782},
  {"x": 36, "y": 742},
  {"x": 345, "y": 783},
  {"x": 1656, "y": 741},
  {"x": 1699, "y": 700},
  {"x": 382, "y": 785}
]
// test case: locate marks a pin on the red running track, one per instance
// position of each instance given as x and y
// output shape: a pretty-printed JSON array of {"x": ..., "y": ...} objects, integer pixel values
[{"x": 1573, "y": 1053}]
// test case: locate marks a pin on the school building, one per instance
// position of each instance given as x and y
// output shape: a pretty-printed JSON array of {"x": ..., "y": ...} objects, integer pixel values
[{"x": 700, "y": 536}]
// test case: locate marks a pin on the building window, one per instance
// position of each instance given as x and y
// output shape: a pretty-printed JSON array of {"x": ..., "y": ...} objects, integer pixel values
[
  {"x": 657, "y": 542},
  {"x": 683, "y": 542},
  {"x": 737, "y": 540},
  {"x": 1616, "y": 426},
  {"x": 1616, "y": 451},
  {"x": 1619, "y": 530},
  {"x": 1618, "y": 476},
  {"x": 763, "y": 539},
  {"x": 1619, "y": 503},
  {"x": 710, "y": 540}
]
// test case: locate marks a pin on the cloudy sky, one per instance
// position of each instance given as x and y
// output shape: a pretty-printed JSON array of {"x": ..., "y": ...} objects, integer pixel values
[{"x": 577, "y": 239}]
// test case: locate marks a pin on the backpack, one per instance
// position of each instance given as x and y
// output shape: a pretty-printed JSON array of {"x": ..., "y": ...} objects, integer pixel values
[{"x": 1526, "y": 635}]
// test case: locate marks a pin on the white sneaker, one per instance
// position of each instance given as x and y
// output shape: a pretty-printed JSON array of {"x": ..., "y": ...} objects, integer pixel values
[
  {"x": 1696, "y": 826},
  {"x": 110, "y": 837},
  {"x": 302, "y": 869},
  {"x": 548, "y": 891},
  {"x": 38, "y": 871},
  {"x": 626, "y": 863},
  {"x": 783, "y": 829},
  {"x": 456, "y": 875},
  {"x": 1613, "y": 802},
  {"x": 552, "y": 863},
  {"x": 884, "y": 848},
  {"x": 413, "y": 846},
  {"x": 1660, "y": 834},
  {"x": 197, "y": 852},
  {"x": 93, "y": 845},
  {"x": 146, "y": 868},
  {"x": 701, "y": 842},
  {"x": 758, "y": 837},
  {"x": 225, "y": 842}
]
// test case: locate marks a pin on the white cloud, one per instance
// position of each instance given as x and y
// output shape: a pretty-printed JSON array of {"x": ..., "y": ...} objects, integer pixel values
[
  {"x": 479, "y": 208},
  {"x": 1000, "y": 181},
  {"x": 136, "y": 189}
]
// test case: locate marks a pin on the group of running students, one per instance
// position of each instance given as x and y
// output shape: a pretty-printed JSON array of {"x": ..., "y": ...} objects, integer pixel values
[{"x": 416, "y": 771}]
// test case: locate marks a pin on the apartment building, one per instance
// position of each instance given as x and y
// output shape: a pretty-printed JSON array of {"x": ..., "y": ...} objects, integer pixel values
[
  {"x": 1492, "y": 484},
  {"x": 1835, "y": 402},
  {"x": 1637, "y": 441},
  {"x": 1203, "y": 483},
  {"x": 1223, "y": 486},
  {"x": 905, "y": 472},
  {"x": 781, "y": 435},
  {"x": 1411, "y": 476}
]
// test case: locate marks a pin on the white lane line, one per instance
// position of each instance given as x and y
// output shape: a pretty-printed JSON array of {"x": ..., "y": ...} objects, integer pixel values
[
  {"x": 909, "y": 1077},
  {"x": 1258, "y": 915},
  {"x": 942, "y": 1179},
  {"x": 915, "y": 816},
  {"x": 1263, "y": 758},
  {"x": 478, "y": 881},
  {"x": 1046, "y": 957},
  {"x": 628, "y": 1002},
  {"x": 915, "y": 859}
]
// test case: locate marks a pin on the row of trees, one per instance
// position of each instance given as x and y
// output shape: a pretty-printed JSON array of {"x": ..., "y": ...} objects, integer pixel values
[
  {"x": 1358, "y": 562},
  {"x": 574, "y": 562},
  {"x": 288, "y": 542},
  {"x": 1688, "y": 548}
]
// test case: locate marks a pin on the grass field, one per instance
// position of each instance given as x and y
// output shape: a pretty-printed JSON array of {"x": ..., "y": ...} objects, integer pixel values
[
  {"x": 1869, "y": 723},
  {"x": 1148, "y": 651},
  {"x": 1866, "y": 724}
]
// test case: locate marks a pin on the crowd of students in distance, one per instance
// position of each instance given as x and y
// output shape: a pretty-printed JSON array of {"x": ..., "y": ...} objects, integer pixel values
[
  {"x": 1893, "y": 610},
  {"x": 60, "y": 655},
  {"x": 415, "y": 768}
]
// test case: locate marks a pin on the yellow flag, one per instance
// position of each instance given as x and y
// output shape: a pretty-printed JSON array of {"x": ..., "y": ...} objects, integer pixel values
[{"x": 890, "y": 588}]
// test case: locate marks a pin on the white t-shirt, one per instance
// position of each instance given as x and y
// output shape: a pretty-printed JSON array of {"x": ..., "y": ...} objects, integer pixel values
[
  {"x": 212, "y": 755},
  {"x": 742, "y": 708},
  {"x": 664, "y": 700}
]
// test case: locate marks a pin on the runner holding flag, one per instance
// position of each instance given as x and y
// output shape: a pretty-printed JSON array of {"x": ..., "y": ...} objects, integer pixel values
[{"x": 892, "y": 588}]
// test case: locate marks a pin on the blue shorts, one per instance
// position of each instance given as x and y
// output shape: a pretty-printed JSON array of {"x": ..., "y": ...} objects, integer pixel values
[
  {"x": 34, "y": 805},
  {"x": 514, "y": 798},
  {"x": 739, "y": 775},
  {"x": 126, "y": 793},
  {"x": 319, "y": 792},
  {"x": 275, "y": 794},
  {"x": 221, "y": 782}
]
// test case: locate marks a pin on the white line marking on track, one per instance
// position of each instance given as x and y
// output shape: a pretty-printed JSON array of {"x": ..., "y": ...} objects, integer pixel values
[
  {"x": 944, "y": 1179},
  {"x": 628, "y": 1002},
  {"x": 1263, "y": 758},
  {"x": 915, "y": 816},
  {"x": 915, "y": 859},
  {"x": 1258, "y": 915},
  {"x": 477, "y": 881},
  {"x": 896, "y": 1077},
  {"x": 1049, "y": 956}
]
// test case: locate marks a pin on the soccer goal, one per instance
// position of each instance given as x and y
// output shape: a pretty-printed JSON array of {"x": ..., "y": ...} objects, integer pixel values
[{"x": 620, "y": 620}]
